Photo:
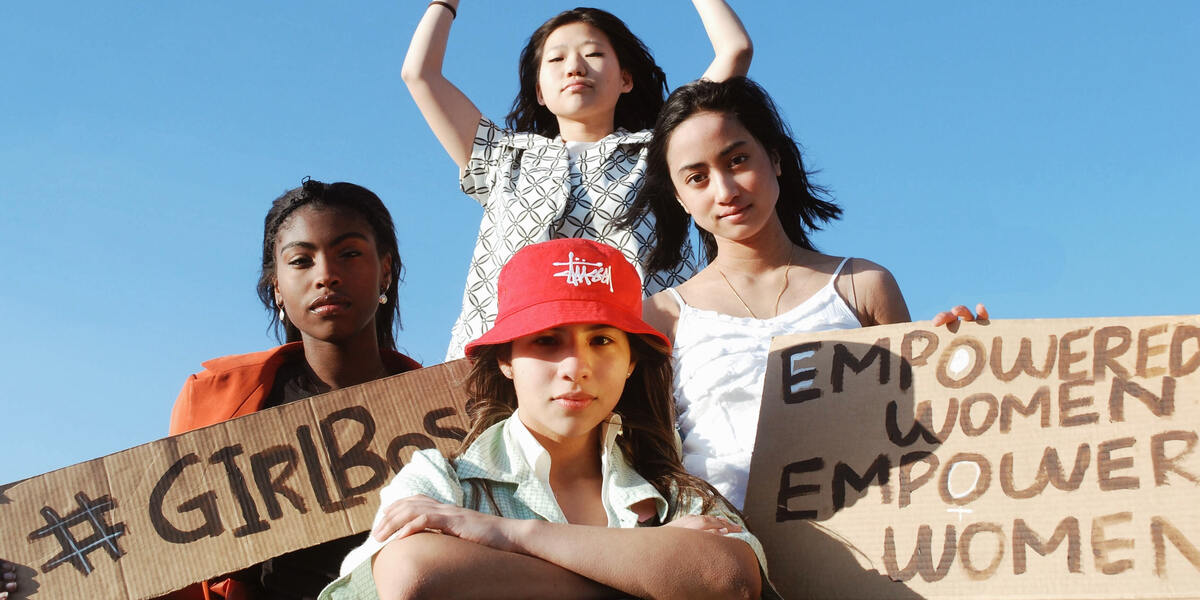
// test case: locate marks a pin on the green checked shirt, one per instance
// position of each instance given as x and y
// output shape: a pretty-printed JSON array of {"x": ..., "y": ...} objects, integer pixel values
[{"x": 508, "y": 456}]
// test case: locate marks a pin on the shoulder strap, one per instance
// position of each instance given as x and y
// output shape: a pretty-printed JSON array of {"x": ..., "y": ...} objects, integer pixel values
[
  {"x": 678, "y": 299},
  {"x": 838, "y": 270}
]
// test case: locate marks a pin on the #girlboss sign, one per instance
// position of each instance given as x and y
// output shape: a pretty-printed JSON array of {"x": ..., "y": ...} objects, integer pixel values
[{"x": 154, "y": 518}]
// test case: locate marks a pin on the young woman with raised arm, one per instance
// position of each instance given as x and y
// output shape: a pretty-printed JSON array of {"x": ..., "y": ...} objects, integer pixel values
[{"x": 571, "y": 155}]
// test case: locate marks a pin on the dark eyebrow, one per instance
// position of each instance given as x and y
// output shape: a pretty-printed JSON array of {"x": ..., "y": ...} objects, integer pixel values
[
  {"x": 590, "y": 327},
  {"x": 724, "y": 151},
  {"x": 595, "y": 326},
  {"x": 586, "y": 42},
  {"x": 339, "y": 239}
]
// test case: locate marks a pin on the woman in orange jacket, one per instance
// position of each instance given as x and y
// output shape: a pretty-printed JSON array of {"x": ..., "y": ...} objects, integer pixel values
[{"x": 330, "y": 268}]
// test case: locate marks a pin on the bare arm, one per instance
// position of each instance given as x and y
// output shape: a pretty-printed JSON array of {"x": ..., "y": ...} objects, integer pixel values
[
  {"x": 873, "y": 294},
  {"x": 450, "y": 114},
  {"x": 428, "y": 565},
  {"x": 731, "y": 44},
  {"x": 654, "y": 562},
  {"x": 661, "y": 312}
]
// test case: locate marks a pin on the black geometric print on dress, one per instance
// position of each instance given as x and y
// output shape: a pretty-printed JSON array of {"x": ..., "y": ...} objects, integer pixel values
[
  {"x": 531, "y": 193},
  {"x": 76, "y": 551}
]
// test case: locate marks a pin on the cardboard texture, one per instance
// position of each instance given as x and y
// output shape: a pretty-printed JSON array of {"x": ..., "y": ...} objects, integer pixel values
[
  {"x": 1011, "y": 459},
  {"x": 157, "y": 517}
]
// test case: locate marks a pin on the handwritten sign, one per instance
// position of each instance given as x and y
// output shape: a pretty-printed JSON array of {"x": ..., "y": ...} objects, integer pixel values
[
  {"x": 157, "y": 517},
  {"x": 1025, "y": 458}
]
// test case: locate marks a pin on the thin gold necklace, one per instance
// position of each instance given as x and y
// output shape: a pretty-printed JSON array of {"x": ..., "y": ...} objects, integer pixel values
[{"x": 786, "y": 278}]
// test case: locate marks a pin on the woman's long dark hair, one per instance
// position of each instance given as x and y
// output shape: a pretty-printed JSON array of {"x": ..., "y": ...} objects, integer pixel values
[
  {"x": 635, "y": 110},
  {"x": 802, "y": 206},
  {"x": 647, "y": 411},
  {"x": 341, "y": 196}
]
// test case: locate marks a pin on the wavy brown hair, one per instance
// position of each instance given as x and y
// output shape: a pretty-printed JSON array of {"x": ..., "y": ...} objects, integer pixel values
[{"x": 647, "y": 411}]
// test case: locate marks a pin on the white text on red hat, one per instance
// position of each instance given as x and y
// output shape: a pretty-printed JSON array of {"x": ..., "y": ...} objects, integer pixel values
[{"x": 578, "y": 272}]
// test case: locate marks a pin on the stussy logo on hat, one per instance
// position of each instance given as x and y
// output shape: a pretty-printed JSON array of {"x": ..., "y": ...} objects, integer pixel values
[{"x": 578, "y": 273}]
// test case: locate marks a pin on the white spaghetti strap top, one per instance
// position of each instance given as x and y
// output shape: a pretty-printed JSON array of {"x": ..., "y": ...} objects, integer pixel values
[{"x": 720, "y": 363}]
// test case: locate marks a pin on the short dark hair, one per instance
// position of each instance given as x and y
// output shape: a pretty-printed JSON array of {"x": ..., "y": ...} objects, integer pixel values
[
  {"x": 342, "y": 196},
  {"x": 802, "y": 206},
  {"x": 635, "y": 110}
]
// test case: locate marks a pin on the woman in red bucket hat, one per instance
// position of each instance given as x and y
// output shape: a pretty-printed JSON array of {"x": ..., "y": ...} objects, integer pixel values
[{"x": 569, "y": 483}]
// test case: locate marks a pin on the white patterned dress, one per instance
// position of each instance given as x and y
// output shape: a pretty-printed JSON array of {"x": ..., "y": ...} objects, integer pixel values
[{"x": 532, "y": 192}]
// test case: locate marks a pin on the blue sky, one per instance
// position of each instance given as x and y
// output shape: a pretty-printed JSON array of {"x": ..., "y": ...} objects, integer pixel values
[{"x": 1041, "y": 157}]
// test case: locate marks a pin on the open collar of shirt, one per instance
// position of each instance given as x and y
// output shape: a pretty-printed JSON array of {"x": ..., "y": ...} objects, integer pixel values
[{"x": 508, "y": 452}]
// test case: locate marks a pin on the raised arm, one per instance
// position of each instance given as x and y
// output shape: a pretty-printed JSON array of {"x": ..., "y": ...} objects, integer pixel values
[
  {"x": 731, "y": 44},
  {"x": 450, "y": 114}
]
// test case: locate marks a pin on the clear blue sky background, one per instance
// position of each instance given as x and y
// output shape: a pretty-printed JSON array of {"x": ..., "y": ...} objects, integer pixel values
[{"x": 1042, "y": 157}]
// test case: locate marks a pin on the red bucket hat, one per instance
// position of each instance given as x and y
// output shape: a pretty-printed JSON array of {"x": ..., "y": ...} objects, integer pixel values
[{"x": 565, "y": 282}]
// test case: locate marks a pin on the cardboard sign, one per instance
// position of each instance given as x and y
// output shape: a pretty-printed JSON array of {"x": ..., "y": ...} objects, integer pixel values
[
  {"x": 160, "y": 516},
  {"x": 1024, "y": 458}
]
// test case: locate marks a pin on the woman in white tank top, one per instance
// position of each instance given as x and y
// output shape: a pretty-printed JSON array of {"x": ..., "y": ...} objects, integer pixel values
[{"x": 723, "y": 159}]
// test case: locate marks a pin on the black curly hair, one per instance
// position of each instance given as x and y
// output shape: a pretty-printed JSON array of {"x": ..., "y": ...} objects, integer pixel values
[{"x": 340, "y": 195}]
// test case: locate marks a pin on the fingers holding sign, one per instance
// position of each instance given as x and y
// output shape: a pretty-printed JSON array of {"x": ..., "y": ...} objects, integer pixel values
[
  {"x": 8, "y": 574},
  {"x": 960, "y": 312}
]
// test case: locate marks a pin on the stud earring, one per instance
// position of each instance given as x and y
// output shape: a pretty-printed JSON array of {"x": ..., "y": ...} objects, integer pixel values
[{"x": 383, "y": 298}]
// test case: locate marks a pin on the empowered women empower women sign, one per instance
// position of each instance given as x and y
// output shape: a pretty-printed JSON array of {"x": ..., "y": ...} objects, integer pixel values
[{"x": 1011, "y": 459}]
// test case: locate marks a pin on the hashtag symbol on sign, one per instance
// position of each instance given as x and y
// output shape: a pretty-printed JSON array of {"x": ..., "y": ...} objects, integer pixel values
[{"x": 76, "y": 551}]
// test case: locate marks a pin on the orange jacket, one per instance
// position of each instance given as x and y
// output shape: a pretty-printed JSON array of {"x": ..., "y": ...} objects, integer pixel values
[
  {"x": 233, "y": 386},
  {"x": 237, "y": 385}
]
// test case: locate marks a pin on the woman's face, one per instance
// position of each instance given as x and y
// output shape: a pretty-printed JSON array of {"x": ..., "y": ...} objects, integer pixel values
[
  {"x": 723, "y": 176},
  {"x": 328, "y": 274},
  {"x": 568, "y": 379},
  {"x": 579, "y": 77}
]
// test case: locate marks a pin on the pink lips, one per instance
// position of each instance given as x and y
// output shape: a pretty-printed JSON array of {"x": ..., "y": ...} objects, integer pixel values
[
  {"x": 576, "y": 85},
  {"x": 733, "y": 214},
  {"x": 574, "y": 400},
  {"x": 329, "y": 304}
]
